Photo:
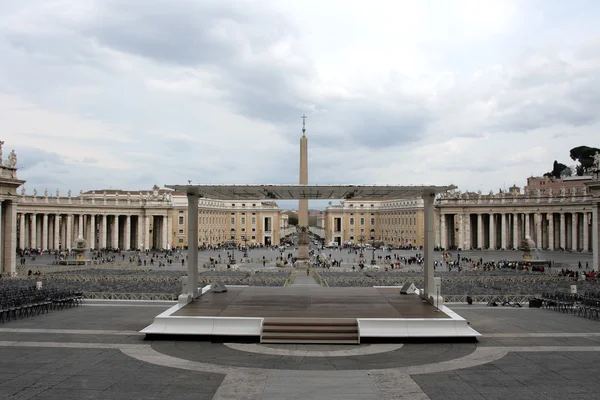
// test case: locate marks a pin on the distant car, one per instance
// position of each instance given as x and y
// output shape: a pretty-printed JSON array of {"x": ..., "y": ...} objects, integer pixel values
[{"x": 332, "y": 245}]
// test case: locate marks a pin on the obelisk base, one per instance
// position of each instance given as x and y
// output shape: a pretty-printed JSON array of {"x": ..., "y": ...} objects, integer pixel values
[{"x": 303, "y": 246}]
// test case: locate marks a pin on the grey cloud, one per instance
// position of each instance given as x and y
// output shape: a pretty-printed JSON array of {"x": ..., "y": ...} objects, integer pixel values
[{"x": 33, "y": 158}]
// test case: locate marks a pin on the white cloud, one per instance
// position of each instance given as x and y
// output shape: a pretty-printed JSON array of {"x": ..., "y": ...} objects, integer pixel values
[{"x": 470, "y": 92}]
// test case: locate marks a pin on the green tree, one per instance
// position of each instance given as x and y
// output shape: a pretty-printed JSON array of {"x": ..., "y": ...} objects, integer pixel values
[
  {"x": 293, "y": 219},
  {"x": 584, "y": 155},
  {"x": 558, "y": 170}
]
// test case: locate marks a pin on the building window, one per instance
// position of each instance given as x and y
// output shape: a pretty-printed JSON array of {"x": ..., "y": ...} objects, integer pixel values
[
  {"x": 351, "y": 221},
  {"x": 180, "y": 240},
  {"x": 243, "y": 220},
  {"x": 253, "y": 220},
  {"x": 253, "y": 237},
  {"x": 243, "y": 205},
  {"x": 362, "y": 221},
  {"x": 253, "y": 229},
  {"x": 351, "y": 237},
  {"x": 181, "y": 220},
  {"x": 372, "y": 221},
  {"x": 180, "y": 231},
  {"x": 232, "y": 220}
]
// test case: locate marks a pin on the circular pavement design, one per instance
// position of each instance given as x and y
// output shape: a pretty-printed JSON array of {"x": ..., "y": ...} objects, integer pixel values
[
  {"x": 226, "y": 355},
  {"x": 314, "y": 350}
]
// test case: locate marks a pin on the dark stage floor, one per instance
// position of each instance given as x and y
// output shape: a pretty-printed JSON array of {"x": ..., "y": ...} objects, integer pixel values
[{"x": 318, "y": 302}]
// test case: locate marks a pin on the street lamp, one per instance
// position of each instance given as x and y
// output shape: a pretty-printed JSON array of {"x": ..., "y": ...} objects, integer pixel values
[
  {"x": 373, "y": 246},
  {"x": 232, "y": 259},
  {"x": 245, "y": 239},
  {"x": 361, "y": 240}
]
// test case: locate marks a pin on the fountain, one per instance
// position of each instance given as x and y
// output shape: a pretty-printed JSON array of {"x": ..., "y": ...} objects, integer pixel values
[
  {"x": 80, "y": 248},
  {"x": 533, "y": 260}
]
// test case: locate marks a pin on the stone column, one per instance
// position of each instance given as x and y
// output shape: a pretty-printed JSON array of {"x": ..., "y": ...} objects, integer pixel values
[
  {"x": 56, "y": 231},
  {"x": 480, "y": 231},
  {"x": 538, "y": 227},
  {"x": 492, "y": 232},
  {"x": 563, "y": 231},
  {"x": 551, "y": 231},
  {"x": 140, "y": 233},
  {"x": 438, "y": 231},
  {"x": 428, "y": 272},
  {"x": 443, "y": 232},
  {"x": 461, "y": 232},
  {"x": 468, "y": 245},
  {"x": 22, "y": 243},
  {"x": 103, "y": 231},
  {"x": 527, "y": 227},
  {"x": 596, "y": 238},
  {"x": 92, "y": 231},
  {"x": 586, "y": 233},
  {"x": 574, "y": 233},
  {"x": 164, "y": 236},
  {"x": 170, "y": 232},
  {"x": 127, "y": 236},
  {"x": 147, "y": 232},
  {"x": 115, "y": 232},
  {"x": 33, "y": 232},
  {"x": 503, "y": 231},
  {"x": 45, "y": 232},
  {"x": 515, "y": 231},
  {"x": 80, "y": 226},
  {"x": 2, "y": 233},
  {"x": 9, "y": 238},
  {"x": 192, "y": 279},
  {"x": 69, "y": 231}
]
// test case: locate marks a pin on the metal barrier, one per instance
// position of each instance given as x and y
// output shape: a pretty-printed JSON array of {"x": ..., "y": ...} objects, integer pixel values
[{"x": 129, "y": 296}]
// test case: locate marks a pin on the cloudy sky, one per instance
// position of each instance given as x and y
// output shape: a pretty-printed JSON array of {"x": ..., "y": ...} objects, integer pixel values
[{"x": 128, "y": 94}]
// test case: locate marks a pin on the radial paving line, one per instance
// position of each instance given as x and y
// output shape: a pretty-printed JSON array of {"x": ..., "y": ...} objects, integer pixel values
[
  {"x": 70, "y": 331},
  {"x": 540, "y": 335}
]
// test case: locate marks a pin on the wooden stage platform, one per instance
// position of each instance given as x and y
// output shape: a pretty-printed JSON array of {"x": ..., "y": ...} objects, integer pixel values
[
  {"x": 313, "y": 302},
  {"x": 375, "y": 312}
]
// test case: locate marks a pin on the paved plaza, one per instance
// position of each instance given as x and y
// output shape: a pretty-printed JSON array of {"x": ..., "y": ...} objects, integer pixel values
[
  {"x": 94, "y": 351},
  {"x": 566, "y": 258}
]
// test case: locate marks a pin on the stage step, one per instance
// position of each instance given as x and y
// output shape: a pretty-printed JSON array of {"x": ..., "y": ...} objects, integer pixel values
[{"x": 310, "y": 331}]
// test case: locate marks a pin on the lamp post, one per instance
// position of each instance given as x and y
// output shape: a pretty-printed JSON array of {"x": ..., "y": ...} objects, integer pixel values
[
  {"x": 373, "y": 246},
  {"x": 232, "y": 259},
  {"x": 245, "y": 239},
  {"x": 361, "y": 240}
]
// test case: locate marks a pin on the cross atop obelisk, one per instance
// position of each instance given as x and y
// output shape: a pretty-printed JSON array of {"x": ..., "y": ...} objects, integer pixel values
[{"x": 303, "y": 124}]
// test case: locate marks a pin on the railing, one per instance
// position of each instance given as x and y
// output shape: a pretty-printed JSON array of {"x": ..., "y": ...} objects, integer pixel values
[
  {"x": 486, "y": 200},
  {"x": 485, "y": 298},
  {"x": 129, "y": 296}
]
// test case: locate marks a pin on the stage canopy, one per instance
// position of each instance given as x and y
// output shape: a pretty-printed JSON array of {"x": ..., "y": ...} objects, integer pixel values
[{"x": 309, "y": 192}]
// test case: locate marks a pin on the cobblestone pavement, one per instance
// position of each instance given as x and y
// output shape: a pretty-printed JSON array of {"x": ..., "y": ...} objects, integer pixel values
[{"x": 95, "y": 352}]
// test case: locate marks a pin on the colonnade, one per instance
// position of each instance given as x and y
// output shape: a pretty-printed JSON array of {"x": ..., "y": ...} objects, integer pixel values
[
  {"x": 543, "y": 230},
  {"x": 58, "y": 231}
]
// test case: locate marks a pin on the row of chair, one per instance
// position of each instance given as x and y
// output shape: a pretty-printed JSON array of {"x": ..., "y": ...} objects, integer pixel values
[
  {"x": 586, "y": 305},
  {"x": 27, "y": 302}
]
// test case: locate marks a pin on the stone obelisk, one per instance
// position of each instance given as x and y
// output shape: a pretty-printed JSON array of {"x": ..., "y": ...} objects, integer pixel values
[{"x": 303, "y": 203}]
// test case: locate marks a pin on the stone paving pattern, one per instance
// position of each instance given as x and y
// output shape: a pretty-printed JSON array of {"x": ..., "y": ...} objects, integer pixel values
[{"x": 89, "y": 352}]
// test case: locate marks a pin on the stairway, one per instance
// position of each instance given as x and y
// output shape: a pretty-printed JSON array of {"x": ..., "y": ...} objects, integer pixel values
[{"x": 310, "y": 331}]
